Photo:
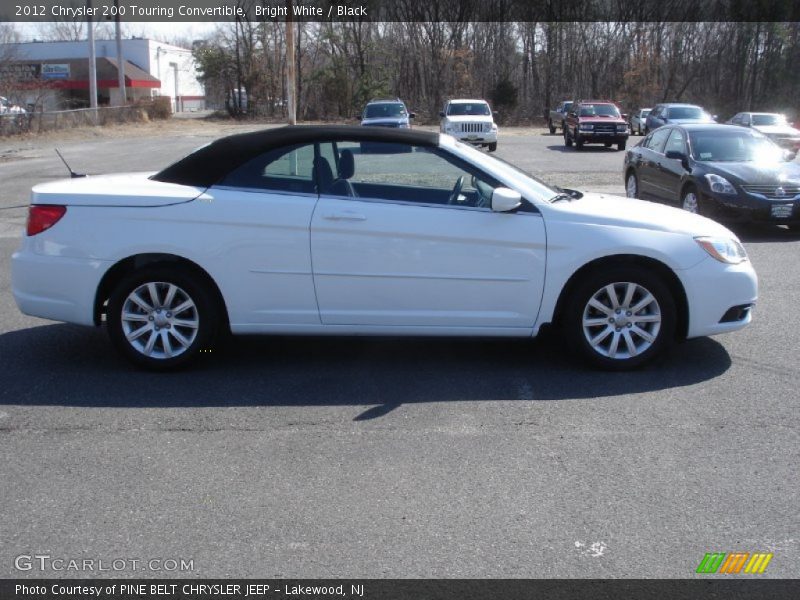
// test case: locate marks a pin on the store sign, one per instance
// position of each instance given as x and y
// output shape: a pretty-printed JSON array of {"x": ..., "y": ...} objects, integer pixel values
[{"x": 55, "y": 71}]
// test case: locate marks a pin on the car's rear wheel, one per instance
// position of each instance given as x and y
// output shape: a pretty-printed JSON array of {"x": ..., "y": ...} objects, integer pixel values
[
  {"x": 631, "y": 185},
  {"x": 620, "y": 319},
  {"x": 160, "y": 318}
]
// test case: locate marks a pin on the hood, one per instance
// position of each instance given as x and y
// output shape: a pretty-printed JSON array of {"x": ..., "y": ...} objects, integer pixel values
[
  {"x": 688, "y": 121},
  {"x": 777, "y": 130},
  {"x": 752, "y": 173},
  {"x": 125, "y": 189},
  {"x": 470, "y": 118},
  {"x": 385, "y": 121},
  {"x": 616, "y": 120},
  {"x": 619, "y": 211}
]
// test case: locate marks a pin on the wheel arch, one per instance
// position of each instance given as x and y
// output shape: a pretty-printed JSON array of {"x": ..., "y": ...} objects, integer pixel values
[
  {"x": 669, "y": 277},
  {"x": 136, "y": 262}
]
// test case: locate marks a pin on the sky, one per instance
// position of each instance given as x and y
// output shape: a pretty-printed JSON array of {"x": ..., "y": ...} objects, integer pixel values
[{"x": 161, "y": 30}]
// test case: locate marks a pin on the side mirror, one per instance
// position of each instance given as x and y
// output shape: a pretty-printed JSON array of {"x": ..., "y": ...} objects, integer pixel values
[
  {"x": 494, "y": 113},
  {"x": 505, "y": 200},
  {"x": 789, "y": 156},
  {"x": 441, "y": 114},
  {"x": 676, "y": 155},
  {"x": 625, "y": 116},
  {"x": 714, "y": 117},
  {"x": 412, "y": 115}
]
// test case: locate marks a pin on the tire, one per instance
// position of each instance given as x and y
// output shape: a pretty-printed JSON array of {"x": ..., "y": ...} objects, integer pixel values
[
  {"x": 567, "y": 139},
  {"x": 551, "y": 127},
  {"x": 631, "y": 185},
  {"x": 578, "y": 142},
  {"x": 492, "y": 146},
  {"x": 180, "y": 337},
  {"x": 690, "y": 200},
  {"x": 640, "y": 130},
  {"x": 621, "y": 146},
  {"x": 617, "y": 339}
]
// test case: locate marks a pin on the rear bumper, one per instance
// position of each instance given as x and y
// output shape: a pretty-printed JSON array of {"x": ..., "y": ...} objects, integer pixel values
[{"x": 56, "y": 288}]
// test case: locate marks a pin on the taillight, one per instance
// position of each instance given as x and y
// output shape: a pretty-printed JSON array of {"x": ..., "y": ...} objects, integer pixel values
[{"x": 44, "y": 216}]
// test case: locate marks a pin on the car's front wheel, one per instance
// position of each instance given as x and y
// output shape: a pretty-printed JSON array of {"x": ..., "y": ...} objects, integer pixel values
[
  {"x": 620, "y": 318},
  {"x": 631, "y": 185},
  {"x": 551, "y": 127},
  {"x": 578, "y": 141},
  {"x": 492, "y": 146},
  {"x": 567, "y": 139},
  {"x": 160, "y": 318},
  {"x": 690, "y": 200}
]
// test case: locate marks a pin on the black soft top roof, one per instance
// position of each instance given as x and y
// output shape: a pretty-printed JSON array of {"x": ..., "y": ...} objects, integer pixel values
[{"x": 208, "y": 165}]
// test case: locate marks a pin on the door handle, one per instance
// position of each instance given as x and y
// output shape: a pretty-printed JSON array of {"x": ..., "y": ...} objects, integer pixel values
[{"x": 346, "y": 215}]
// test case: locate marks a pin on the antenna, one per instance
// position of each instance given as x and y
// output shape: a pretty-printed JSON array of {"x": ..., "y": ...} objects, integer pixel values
[{"x": 72, "y": 173}]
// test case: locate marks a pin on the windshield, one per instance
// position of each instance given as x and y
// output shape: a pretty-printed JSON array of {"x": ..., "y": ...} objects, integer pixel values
[
  {"x": 717, "y": 146},
  {"x": 598, "y": 110},
  {"x": 688, "y": 112},
  {"x": 384, "y": 110},
  {"x": 461, "y": 109},
  {"x": 536, "y": 186},
  {"x": 769, "y": 120}
]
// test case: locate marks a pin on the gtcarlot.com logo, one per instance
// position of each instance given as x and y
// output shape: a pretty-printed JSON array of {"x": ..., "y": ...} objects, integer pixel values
[
  {"x": 45, "y": 562},
  {"x": 734, "y": 563}
]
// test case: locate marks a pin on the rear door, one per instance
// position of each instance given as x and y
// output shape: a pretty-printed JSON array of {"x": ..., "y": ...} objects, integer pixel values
[
  {"x": 652, "y": 157},
  {"x": 412, "y": 242}
]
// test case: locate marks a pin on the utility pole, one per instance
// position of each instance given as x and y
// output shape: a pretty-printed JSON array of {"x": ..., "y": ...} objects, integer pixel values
[
  {"x": 92, "y": 62},
  {"x": 291, "y": 80},
  {"x": 123, "y": 94}
]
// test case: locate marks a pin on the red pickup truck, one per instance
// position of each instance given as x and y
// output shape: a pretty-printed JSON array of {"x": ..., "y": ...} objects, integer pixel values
[{"x": 596, "y": 122}]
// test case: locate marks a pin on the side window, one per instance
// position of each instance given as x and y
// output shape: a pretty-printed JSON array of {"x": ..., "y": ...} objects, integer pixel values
[
  {"x": 400, "y": 172},
  {"x": 737, "y": 120},
  {"x": 658, "y": 140},
  {"x": 676, "y": 142},
  {"x": 288, "y": 169}
]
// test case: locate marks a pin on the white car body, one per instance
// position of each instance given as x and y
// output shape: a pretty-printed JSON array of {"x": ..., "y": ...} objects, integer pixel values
[
  {"x": 474, "y": 128},
  {"x": 319, "y": 264}
]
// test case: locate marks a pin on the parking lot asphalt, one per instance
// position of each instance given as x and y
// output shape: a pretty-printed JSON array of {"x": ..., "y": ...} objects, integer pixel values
[{"x": 310, "y": 457}]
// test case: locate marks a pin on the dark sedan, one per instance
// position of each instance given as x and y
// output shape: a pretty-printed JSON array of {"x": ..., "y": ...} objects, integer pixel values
[{"x": 721, "y": 171}]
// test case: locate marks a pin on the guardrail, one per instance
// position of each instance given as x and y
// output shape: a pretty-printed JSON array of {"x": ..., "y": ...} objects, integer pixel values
[{"x": 40, "y": 121}]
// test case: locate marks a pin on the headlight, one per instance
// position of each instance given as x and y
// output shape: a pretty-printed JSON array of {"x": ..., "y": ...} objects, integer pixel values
[
  {"x": 487, "y": 127},
  {"x": 725, "y": 250},
  {"x": 586, "y": 126},
  {"x": 720, "y": 185},
  {"x": 622, "y": 128}
]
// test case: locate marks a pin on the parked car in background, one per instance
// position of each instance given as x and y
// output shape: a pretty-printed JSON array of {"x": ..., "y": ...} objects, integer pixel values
[
  {"x": 298, "y": 230},
  {"x": 470, "y": 121},
  {"x": 675, "y": 113},
  {"x": 595, "y": 122},
  {"x": 557, "y": 117},
  {"x": 387, "y": 113},
  {"x": 638, "y": 120},
  {"x": 773, "y": 125},
  {"x": 720, "y": 171},
  {"x": 9, "y": 108}
]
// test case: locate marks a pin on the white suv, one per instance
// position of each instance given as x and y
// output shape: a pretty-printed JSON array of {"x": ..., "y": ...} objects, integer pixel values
[{"x": 470, "y": 121}]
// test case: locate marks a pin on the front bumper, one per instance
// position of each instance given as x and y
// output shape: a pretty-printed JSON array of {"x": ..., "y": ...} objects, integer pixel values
[
  {"x": 54, "y": 287},
  {"x": 475, "y": 138},
  {"x": 603, "y": 137},
  {"x": 746, "y": 207},
  {"x": 720, "y": 296}
]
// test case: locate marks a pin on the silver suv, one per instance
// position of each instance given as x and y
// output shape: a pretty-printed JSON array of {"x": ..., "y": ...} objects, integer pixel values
[{"x": 387, "y": 113}]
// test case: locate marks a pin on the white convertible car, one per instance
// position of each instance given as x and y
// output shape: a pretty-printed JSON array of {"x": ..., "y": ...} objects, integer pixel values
[{"x": 358, "y": 230}]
